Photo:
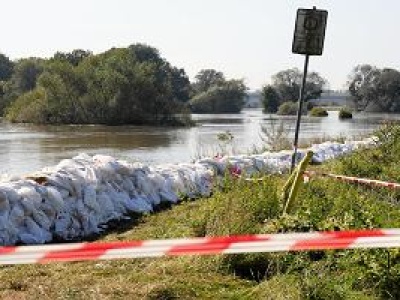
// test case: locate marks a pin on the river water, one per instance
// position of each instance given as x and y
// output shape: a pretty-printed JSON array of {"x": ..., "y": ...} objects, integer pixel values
[{"x": 28, "y": 148}]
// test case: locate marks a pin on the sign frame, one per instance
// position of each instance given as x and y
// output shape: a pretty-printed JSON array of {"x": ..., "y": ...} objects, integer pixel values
[{"x": 309, "y": 32}]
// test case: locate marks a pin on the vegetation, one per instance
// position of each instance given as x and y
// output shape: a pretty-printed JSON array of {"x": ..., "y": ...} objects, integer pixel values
[
  {"x": 318, "y": 112},
  {"x": 345, "y": 113},
  {"x": 275, "y": 136},
  {"x": 132, "y": 85},
  {"x": 212, "y": 93},
  {"x": 288, "y": 108},
  {"x": 243, "y": 207},
  {"x": 375, "y": 89},
  {"x": 270, "y": 99},
  {"x": 286, "y": 86}
]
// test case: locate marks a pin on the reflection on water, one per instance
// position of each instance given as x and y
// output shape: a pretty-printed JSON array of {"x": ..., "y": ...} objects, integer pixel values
[{"x": 27, "y": 148}]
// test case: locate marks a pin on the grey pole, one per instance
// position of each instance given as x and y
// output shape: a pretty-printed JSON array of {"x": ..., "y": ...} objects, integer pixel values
[{"x": 300, "y": 108}]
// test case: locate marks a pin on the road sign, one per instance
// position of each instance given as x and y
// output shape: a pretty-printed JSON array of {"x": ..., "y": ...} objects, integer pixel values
[{"x": 309, "y": 33}]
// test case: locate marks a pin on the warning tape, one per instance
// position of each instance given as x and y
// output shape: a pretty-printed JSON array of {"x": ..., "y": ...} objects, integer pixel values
[
  {"x": 379, "y": 238},
  {"x": 351, "y": 179}
]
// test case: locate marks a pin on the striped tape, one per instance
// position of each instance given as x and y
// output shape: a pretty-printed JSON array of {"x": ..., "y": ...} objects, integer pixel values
[
  {"x": 386, "y": 238},
  {"x": 351, "y": 179}
]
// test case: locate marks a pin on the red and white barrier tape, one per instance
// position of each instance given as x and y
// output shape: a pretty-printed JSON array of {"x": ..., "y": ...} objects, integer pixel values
[
  {"x": 387, "y": 238},
  {"x": 352, "y": 179}
]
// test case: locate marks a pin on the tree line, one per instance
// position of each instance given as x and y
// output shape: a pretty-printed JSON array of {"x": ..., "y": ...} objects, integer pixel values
[
  {"x": 281, "y": 95},
  {"x": 136, "y": 85},
  {"x": 132, "y": 85},
  {"x": 370, "y": 89}
]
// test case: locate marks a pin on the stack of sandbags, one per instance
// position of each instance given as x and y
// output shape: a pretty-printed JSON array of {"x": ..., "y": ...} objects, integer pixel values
[{"x": 80, "y": 195}]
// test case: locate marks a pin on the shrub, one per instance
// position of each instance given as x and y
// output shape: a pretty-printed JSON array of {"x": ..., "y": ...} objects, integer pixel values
[
  {"x": 318, "y": 112},
  {"x": 287, "y": 108},
  {"x": 345, "y": 113}
]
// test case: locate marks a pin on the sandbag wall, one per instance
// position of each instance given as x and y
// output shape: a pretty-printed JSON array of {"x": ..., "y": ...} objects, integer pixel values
[{"x": 80, "y": 195}]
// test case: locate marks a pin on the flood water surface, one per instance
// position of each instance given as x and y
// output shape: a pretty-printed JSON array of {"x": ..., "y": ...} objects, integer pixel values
[{"x": 27, "y": 148}]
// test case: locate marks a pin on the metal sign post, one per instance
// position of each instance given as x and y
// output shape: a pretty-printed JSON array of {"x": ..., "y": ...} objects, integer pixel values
[{"x": 309, "y": 36}]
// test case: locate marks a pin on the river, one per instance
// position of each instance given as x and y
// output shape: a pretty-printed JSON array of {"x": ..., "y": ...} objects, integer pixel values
[{"x": 28, "y": 148}]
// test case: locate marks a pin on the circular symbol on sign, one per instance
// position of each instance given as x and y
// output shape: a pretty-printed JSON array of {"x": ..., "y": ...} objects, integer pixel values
[{"x": 310, "y": 23}]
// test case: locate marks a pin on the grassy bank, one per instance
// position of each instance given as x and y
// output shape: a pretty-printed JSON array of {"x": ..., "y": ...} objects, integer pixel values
[{"x": 243, "y": 207}]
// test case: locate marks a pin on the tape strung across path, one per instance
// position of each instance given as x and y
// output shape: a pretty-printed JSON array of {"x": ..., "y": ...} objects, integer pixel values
[
  {"x": 351, "y": 179},
  {"x": 376, "y": 238}
]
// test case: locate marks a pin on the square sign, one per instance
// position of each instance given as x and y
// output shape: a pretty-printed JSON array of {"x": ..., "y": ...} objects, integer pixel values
[{"x": 309, "y": 33}]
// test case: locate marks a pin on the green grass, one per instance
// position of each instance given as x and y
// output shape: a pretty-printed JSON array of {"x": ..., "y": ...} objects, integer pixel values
[{"x": 244, "y": 208}]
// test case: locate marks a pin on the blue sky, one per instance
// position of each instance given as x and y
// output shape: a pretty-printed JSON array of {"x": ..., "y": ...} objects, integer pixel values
[{"x": 244, "y": 39}]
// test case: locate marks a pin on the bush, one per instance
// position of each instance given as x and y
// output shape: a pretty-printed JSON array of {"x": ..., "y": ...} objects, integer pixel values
[
  {"x": 345, "y": 113},
  {"x": 318, "y": 112},
  {"x": 287, "y": 109},
  {"x": 227, "y": 98}
]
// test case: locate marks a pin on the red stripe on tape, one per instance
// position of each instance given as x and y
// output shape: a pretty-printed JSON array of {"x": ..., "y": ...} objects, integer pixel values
[
  {"x": 7, "y": 249},
  {"x": 88, "y": 251},
  {"x": 214, "y": 245},
  {"x": 335, "y": 239},
  {"x": 340, "y": 243},
  {"x": 353, "y": 233}
]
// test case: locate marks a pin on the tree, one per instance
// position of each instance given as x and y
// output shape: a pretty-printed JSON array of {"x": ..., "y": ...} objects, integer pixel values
[
  {"x": 180, "y": 84},
  {"x": 270, "y": 99},
  {"x": 6, "y": 67},
  {"x": 74, "y": 58},
  {"x": 387, "y": 92},
  {"x": 23, "y": 79},
  {"x": 133, "y": 85},
  {"x": 26, "y": 71},
  {"x": 376, "y": 89},
  {"x": 145, "y": 53},
  {"x": 287, "y": 83},
  {"x": 361, "y": 83},
  {"x": 206, "y": 79},
  {"x": 223, "y": 98}
]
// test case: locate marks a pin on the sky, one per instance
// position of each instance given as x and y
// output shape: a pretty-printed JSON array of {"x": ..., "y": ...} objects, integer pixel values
[{"x": 248, "y": 39}]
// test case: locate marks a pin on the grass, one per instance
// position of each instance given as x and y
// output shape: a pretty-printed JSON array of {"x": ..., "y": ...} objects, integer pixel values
[{"x": 245, "y": 207}]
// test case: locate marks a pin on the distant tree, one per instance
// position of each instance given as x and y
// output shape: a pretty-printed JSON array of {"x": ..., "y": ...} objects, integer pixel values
[
  {"x": 180, "y": 84},
  {"x": 227, "y": 97},
  {"x": 26, "y": 71},
  {"x": 133, "y": 85},
  {"x": 288, "y": 82},
  {"x": 361, "y": 83},
  {"x": 6, "y": 67},
  {"x": 376, "y": 88},
  {"x": 387, "y": 90},
  {"x": 74, "y": 58},
  {"x": 206, "y": 79},
  {"x": 270, "y": 99},
  {"x": 23, "y": 79},
  {"x": 145, "y": 53}
]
